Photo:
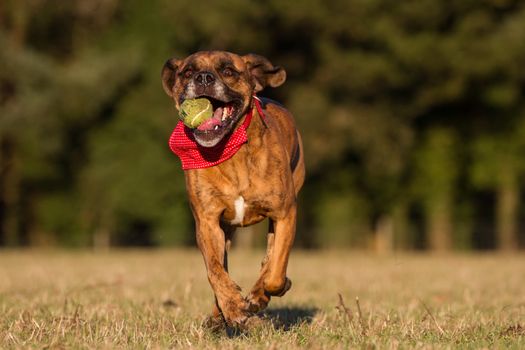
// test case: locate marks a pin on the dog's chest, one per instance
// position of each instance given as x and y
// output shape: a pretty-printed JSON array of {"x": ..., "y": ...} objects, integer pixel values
[
  {"x": 251, "y": 186},
  {"x": 245, "y": 210},
  {"x": 239, "y": 206}
]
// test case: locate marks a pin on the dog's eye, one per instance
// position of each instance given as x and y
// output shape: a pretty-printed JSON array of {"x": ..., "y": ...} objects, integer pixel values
[
  {"x": 188, "y": 73},
  {"x": 228, "y": 72}
]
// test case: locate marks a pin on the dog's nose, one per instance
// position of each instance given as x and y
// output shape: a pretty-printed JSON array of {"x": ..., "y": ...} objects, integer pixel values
[{"x": 204, "y": 78}]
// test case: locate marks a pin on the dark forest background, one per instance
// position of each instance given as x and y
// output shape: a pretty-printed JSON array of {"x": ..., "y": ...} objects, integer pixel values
[{"x": 412, "y": 114}]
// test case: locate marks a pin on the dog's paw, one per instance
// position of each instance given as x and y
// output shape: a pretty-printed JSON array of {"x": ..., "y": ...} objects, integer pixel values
[
  {"x": 257, "y": 301},
  {"x": 236, "y": 314},
  {"x": 237, "y": 320},
  {"x": 214, "y": 323}
]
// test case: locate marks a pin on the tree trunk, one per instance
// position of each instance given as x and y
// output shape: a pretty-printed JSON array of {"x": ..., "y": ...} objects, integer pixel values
[
  {"x": 384, "y": 234},
  {"x": 3, "y": 199},
  {"x": 9, "y": 194},
  {"x": 17, "y": 11},
  {"x": 439, "y": 225},
  {"x": 403, "y": 239},
  {"x": 507, "y": 211},
  {"x": 101, "y": 239}
]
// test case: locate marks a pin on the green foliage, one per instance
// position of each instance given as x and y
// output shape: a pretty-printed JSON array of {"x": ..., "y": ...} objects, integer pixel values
[
  {"x": 495, "y": 156},
  {"x": 341, "y": 212},
  {"x": 403, "y": 106},
  {"x": 436, "y": 166}
]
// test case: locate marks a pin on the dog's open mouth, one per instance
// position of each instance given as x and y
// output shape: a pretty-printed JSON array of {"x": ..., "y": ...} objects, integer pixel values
[
  {"x": 225, "y": 114},
  {"x": 222, "y": 113}
]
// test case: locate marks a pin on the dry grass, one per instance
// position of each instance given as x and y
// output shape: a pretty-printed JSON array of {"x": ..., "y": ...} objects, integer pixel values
[{"x": 158, "y": 299}]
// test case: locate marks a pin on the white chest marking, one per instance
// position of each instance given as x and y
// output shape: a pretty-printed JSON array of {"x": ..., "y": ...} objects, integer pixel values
[{"x": 239, "y": 211}]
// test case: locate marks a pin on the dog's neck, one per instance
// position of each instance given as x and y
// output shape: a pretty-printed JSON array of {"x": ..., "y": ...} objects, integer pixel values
[{"x": 258, "y": 124}]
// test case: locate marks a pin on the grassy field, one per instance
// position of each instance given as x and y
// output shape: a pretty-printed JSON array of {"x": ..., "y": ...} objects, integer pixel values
[{"x": 159, "y": 298}]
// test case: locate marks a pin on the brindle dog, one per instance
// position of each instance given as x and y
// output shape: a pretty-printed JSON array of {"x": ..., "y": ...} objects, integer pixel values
[{"x": 260, "y": 181}]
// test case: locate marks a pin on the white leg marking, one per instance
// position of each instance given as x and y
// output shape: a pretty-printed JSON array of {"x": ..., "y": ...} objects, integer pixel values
[{"x": 239, "y": 211}]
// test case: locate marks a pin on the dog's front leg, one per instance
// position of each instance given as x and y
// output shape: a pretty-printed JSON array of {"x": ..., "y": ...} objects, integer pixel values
[
  {"x": 275, "y": 281},
  {"x": 212, "y": 243},
  {"x": 258, "y": 298},
  {"x": 272, "y": 280}
]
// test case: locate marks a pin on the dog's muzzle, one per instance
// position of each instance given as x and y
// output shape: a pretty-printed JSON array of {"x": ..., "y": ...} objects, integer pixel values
[{"x": 227, "y": 107}]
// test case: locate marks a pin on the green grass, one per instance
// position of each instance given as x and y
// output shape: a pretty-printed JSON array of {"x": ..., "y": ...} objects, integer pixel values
[{"x": 159, "y": 298}]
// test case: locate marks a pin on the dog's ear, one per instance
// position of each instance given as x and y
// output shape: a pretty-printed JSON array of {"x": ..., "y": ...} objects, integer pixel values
[
  {"x": 264, "y": 73},
  {"x": 169, "y": 75}
]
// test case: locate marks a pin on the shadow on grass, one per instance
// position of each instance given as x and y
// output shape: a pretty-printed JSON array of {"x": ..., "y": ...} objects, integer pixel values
[
  {"x": 283, "y": 318},
  {"x": 287, "y": 317}
]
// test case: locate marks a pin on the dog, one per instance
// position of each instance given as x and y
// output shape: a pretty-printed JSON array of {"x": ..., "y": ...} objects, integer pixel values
[{"x": 261, "y": 179}]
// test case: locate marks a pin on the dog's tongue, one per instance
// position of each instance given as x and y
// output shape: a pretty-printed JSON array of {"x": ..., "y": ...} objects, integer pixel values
[{"x": 209, "y": 124}]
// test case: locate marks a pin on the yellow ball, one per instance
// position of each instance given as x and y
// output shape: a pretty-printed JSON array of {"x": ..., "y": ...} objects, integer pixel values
[{"x": 194, "y": 112}]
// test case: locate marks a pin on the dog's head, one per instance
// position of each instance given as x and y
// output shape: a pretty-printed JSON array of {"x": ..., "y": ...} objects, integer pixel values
[{"x": 226, "y": 79}]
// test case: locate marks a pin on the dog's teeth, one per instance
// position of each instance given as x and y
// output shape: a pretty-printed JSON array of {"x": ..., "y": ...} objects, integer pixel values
[{"x": 216, "y": 127}]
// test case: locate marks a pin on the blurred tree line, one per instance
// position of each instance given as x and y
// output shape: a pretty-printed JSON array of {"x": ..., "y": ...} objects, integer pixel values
[{"x": 412, "y": 114}]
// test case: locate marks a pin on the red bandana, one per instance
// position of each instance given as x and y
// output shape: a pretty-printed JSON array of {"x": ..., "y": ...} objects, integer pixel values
[{"x": 194, "y": 156}]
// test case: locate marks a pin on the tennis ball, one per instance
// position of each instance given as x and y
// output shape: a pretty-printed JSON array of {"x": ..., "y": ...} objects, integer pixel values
[{"x": 194, "y": 112}]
